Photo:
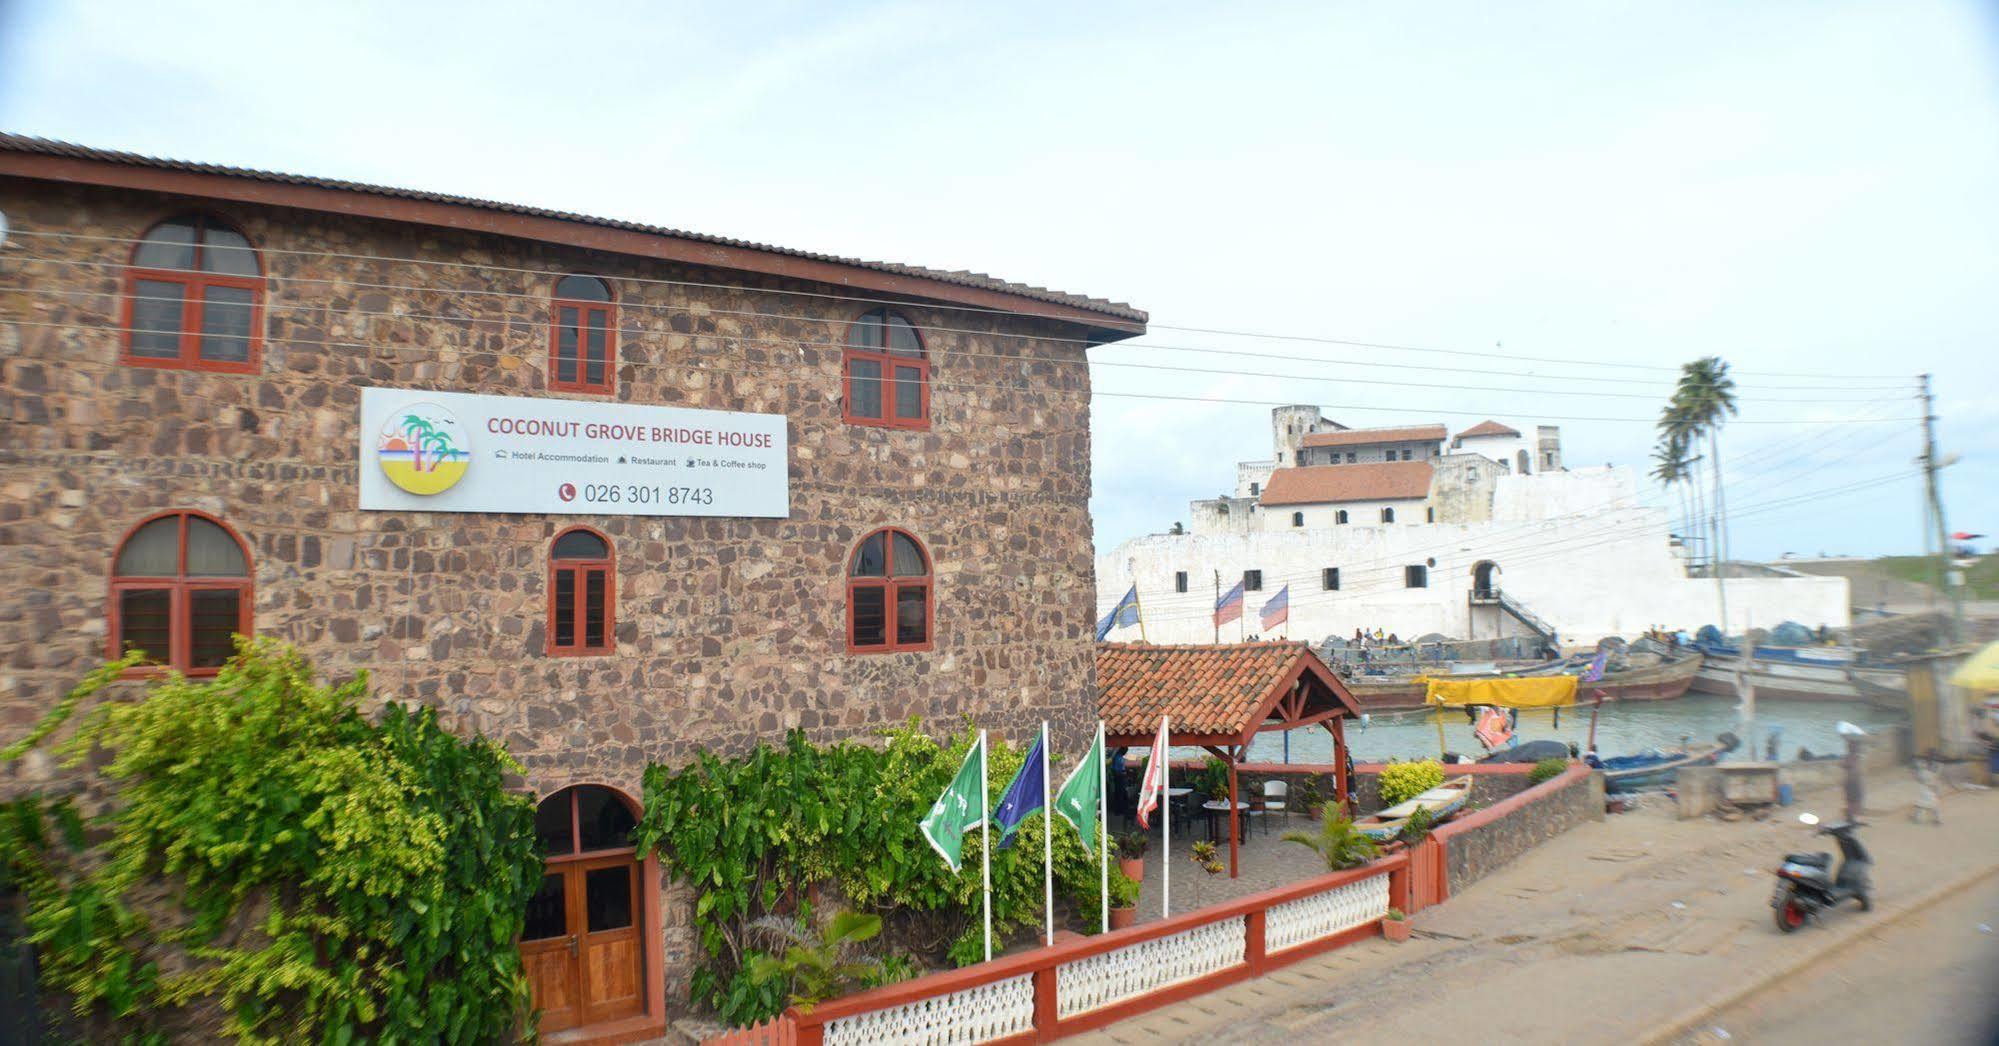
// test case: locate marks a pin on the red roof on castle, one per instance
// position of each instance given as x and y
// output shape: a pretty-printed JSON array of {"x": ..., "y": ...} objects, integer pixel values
[
  {"x": 1360, "y": 437},
  {"x": 1488, "y": 428},
  {"x": 1372, "y": 481}
]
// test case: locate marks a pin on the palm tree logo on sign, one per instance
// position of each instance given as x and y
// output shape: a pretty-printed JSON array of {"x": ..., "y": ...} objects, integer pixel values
[{"x": 423, "y": 449}]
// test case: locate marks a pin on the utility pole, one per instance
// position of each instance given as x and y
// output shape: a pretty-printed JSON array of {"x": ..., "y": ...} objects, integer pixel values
[
  {"x": 1215, "y": 616},
  {"x": 1946, "y": 573}
]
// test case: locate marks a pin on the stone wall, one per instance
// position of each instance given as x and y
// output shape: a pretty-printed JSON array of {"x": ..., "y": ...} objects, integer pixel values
[
  {"x": 729, "y": 631},
  {"x": 1482, "y": 843}
]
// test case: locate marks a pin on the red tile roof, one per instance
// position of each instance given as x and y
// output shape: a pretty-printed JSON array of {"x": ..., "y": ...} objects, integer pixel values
[
  {"x": 1371, "y": 481},
  {"x": 1226, "y": 690},
  {"x": 20, "y": 143},
  {"x": 1488, "y": 428},
  {"x": 1359, "y": 437}
]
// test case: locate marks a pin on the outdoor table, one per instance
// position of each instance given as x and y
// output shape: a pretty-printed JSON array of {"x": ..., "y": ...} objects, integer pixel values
[
  {"x": 1175, "y": 794},
  {"x": 1216, "y": 808}
]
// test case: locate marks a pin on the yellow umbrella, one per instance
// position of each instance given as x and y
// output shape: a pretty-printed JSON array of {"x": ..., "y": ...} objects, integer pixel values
[{"x": 1980, "y": 671}]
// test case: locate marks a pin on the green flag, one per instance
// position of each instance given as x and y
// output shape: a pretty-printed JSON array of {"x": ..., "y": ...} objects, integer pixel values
[
  {"x": 960, "y": 809},
  {"x": 1082, "y": 793}
]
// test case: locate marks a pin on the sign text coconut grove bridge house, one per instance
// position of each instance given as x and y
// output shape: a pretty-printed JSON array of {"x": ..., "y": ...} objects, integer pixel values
[{"x": 610, "y": 493}]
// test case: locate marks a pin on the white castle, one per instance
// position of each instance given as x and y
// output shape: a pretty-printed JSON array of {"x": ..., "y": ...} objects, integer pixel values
[{"x": 1414, "y": 531}]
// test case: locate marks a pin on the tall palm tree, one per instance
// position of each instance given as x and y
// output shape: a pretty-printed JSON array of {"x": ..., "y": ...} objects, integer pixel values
[
  {"x": 416, "y": 430},
  {"x": 1671, "y": 469},
  {"x": 1702, "y": 402}
]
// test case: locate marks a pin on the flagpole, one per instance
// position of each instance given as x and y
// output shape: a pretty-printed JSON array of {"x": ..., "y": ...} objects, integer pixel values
[
  {"x": 1166, "y": 829},
  {"x": 1139, "y": 605},
  {"x": 1047, "y": 837},
  {"x": 986, "y": 844},
  {"x": 1104, "y": 831}
]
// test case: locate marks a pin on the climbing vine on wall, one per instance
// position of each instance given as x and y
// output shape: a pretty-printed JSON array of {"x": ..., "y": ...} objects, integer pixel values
[
  {"x": 274, "y": 866},
  {"x": 751, "y": 835}
]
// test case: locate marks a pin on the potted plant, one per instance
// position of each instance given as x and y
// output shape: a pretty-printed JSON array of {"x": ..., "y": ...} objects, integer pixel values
[
  {"x": 1202, "y": 852},
  {"x": 1215, "y": 780},
  {"x": 1131, "y": 854},
  {"x": 1309, "y": 796},
  {"x": 1124, "y": 901},
  {"x": 1396, "y": 927}
]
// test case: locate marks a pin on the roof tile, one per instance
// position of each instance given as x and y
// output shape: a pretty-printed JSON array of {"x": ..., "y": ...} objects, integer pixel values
[
  {"x": 1371, "y": 481},
  {"x": 1205, "y": 689},
  {"x": 1362, "y": 437}
]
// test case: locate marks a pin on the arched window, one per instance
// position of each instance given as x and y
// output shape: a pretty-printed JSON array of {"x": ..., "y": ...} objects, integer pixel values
[
  {"x": 1340, "y": 517},
  {"x": 1297, "y": 519},
  {"x": 180, "y": 592},
  {"x": 194, "y": 298},
  {"x": 888, "y": 594},
  {"x": 1388, "y": 515},
  {"x": 580, "y": 942},
  {"x": 582, "y": 583},
  {"x": 887, "y": 375},
  {"x": 1522, "y": 458},
  {"x": 583, "y": 336}
]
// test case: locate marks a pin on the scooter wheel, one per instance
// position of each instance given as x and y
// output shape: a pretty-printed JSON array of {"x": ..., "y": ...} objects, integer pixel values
[
  {"x": 1789, "y": 916},
  {"x": 1866, "y": 902}
]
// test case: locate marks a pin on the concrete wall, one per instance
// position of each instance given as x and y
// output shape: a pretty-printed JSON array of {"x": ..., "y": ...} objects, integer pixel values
[
  {"x": 1486, "y": 841},
  {"x": 1361, "y": 454}
]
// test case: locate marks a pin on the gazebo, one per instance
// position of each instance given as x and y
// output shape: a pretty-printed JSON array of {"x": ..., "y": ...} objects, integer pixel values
[{"x": 1219, "y": 698}]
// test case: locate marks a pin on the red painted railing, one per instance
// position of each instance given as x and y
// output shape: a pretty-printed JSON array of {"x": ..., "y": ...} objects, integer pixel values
[
  {"x": 1009, "y": 981},
  {"x": 780, "y": 1030}
]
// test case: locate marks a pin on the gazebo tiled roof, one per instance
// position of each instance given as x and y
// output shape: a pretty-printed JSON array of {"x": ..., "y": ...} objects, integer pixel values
[{"x": 1220, "y": 691}]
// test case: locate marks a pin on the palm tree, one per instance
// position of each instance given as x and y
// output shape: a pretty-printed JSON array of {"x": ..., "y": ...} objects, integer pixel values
[
  {"x": 1702, "y": 402},
  {"x": 417, "y": 430},
  {"x": 1337, "y": 841}
]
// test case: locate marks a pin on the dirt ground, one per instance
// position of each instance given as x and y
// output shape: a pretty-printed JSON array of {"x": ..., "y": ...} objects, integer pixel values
[{"x": 1617, "y": 932}]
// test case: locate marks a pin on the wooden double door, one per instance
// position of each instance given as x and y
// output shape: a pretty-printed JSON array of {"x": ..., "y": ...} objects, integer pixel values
[{"x": 582, "y": 948}]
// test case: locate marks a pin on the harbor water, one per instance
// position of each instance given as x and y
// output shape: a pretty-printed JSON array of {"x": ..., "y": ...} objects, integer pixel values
[{"x": 1623, "y": 729}]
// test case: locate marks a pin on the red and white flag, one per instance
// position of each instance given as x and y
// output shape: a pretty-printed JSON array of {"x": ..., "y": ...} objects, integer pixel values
[{"x": 1152, "y": 791}]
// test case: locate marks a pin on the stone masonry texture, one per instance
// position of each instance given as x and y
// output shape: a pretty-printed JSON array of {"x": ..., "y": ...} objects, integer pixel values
[{"x": 729, "y": 631}]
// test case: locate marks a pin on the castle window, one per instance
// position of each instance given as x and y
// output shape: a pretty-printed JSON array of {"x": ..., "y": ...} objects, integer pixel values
[
  {"x": 583, "y": 336},
  {"x": 1416, "y": 576},
  {"x": 1388, "y": 515},
  {"x": 888, "y": 594},
  {"x": 1179, "y": 581},
  {"x": 1429, "y": 514},
  {"x": 582, "y": 577},
  {"x": 1297, "y": 519},
  {"x": 1252, "y": 581},
  {"x": 181, "y": 592},
  {"x": 1340, "y": 517},
  {"x": 887, "y": 374},
  {"x": 194, "y": 298},
  {"x": 1329, "y": 579}
]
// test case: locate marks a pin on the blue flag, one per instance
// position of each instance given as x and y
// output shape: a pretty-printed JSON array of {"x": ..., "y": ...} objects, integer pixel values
[
  {"x": 1124, "y": 615},
  {"x": 1596, "y": 667},
  {"x": 1027, "y": 793}
]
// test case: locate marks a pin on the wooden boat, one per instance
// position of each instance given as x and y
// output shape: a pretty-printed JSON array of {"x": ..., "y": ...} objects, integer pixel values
[
  {"x": 1882, "y": 686},
  {"x": 1801, "y": 680},
  {"x": 1668, "y": 679},
  {"x": 1657, "y": 768},
  {"x": 1442, "y": 801}
]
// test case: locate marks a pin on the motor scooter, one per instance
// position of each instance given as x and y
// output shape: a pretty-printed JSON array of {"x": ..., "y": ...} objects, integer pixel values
[{"x": 1807, "y": 884}]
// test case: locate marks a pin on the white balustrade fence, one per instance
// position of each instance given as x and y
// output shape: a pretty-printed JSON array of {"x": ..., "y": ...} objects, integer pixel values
[
  {"x": 981, "y": 1014},
  {"x": 1145, "y": 967},
  {"x": 1339, "y": 909}
]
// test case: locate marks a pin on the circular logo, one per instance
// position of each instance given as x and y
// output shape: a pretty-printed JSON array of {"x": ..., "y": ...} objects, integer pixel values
[
  {"x": 566, "y": 492},
  {"x": 423, "y": 449}
]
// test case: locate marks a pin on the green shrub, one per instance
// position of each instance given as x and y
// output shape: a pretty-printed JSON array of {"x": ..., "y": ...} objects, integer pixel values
[
  {"x": 308, "y": 874},
  {"x": 816, "y": 966},
  {"x": 1401, "y": 782},
  {"x": 1417, "y": 828},
  {"x": 1337, "y": 841},
  {"x": 1547, "y": 769},
  {"x": 1124, "y": 890}
]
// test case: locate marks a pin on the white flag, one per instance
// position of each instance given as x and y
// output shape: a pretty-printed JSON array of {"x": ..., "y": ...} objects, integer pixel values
[{"x": 1152, "y": 791}]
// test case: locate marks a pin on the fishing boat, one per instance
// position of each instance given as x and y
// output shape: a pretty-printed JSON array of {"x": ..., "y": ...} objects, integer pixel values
[
  {"x": 1658, "y": 767},
  {"x": 1442, "y": 801},
  {"x": 1668, "y": 678},
  {"x": 1796, "y": 673}
]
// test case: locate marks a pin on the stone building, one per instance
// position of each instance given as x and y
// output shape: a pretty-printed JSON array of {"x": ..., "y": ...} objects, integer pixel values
[{"x": 187, "y": 349}]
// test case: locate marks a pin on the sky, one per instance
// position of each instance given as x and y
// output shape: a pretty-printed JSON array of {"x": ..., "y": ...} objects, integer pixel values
[{"x": 1805, "y": 189}]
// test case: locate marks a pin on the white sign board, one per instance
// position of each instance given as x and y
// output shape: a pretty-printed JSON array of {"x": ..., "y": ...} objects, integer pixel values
[{"x": 427, "y": 451}]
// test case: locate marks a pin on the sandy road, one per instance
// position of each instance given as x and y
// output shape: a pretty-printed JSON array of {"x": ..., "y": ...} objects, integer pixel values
[
  {"x": 1931, "y": 979},
  {"x": 1606, "y": 934}
]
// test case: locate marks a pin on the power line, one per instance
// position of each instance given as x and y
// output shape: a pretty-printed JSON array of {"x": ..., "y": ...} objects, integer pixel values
[
  {"x": 1104, "y": 321},
  {"x": 931, "y": 382}
]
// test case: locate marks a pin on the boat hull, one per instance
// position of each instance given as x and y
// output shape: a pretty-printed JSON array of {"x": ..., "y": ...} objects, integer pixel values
[
  {"x": 1657, "y": 683},
  {"x": 1794, "y": 682}
]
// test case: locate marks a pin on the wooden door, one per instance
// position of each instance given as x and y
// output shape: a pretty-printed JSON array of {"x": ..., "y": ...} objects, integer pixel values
[{"x": 581, "y": 945}]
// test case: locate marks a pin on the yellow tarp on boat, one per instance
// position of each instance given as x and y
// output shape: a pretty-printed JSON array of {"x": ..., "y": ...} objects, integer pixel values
[
  {"x": 1980, "y": 671},
  {"x": 1525, "y": 692}
]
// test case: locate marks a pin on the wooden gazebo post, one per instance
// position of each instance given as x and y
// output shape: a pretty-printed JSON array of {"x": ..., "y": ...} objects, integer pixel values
[
  {"x": 1341, "y": 784},
  {"x": 1234, "y": 758}
]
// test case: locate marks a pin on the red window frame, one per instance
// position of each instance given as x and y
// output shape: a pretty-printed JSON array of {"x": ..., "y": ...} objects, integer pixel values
[
  {"x": 605, "y": 313},
  {"x": 892, "y": 367},
  {"x": 194, "y": 285},
  {"x": 579, "y": 571},
  {"x": 891, "y": 587},
  {"x": 180, "y": 589}
]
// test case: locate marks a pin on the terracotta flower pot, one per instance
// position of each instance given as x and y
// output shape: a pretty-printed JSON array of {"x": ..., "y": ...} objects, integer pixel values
[
  {"x": 1394, "y": 929},
  {"x": 1123, "y": 917},
  {"x": 1133, "y": 868}
]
